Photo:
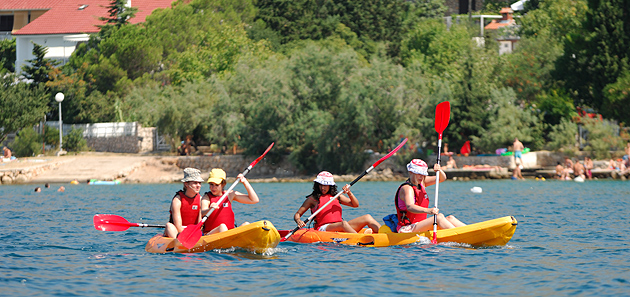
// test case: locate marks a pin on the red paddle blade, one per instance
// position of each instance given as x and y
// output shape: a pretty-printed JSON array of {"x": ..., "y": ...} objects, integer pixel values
[
  {"x": 390, "y": 153},
  {"x": 434, "y": 240},
  {"x": 108, "y": 222},
  {"x": 190, "y": 235},
  {"x": 262, "y": 156},
  {"x": 442, "y": 116}
]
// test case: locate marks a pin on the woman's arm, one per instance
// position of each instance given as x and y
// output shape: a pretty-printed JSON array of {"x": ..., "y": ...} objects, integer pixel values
[
  {"x": 176, "y": 213},
  {"x": 308, "y": 204},
  {"x": 430, "y": 180},
  {"x": 351, "y": 200},
  {"x": 250, "y": 198},
  {"x": 407, "y": 195}
]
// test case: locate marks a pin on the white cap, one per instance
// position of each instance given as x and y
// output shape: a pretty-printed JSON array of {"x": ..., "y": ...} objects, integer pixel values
[
  {"x": 418, "y": 166},
  {"x": 325, "y": 178}
]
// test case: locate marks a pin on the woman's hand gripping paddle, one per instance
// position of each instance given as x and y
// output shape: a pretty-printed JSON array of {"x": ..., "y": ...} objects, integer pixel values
[
  {"x": 352, "y": 183},
  {"x": 109, "y": 222},
  {"x": 442, "y": 116},
  {"x": 192, "y": 233}
]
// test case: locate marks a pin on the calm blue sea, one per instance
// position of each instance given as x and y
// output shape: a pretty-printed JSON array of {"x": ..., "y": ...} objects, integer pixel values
[{"x": 572, "y": 239}]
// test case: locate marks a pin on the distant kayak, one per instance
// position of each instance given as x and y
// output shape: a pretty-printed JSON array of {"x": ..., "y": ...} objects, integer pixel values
[
  {"x": 257, "y": 237},
  {"x": 103, "y": 182},
  {"x": 488, "y": 233}
]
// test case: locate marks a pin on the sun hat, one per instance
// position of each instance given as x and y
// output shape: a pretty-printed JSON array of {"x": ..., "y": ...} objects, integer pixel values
[
  {"x": 217, "y": 176},
  {"x": 192, "y": 174},
  {"x": 418, "y": 166},
  {"x": 325, "y": 178}
]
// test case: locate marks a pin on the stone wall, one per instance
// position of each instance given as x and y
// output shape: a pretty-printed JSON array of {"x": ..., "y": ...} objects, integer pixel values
[
  {"x": 147, "y": 139},
  {"x": 24, "y": 175},
  {"x": 142, "y": 143},
  {"x": 120, "y": 144}
]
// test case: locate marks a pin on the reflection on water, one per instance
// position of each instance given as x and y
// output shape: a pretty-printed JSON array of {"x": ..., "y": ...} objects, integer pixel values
[{"x": 569, "y": 241}]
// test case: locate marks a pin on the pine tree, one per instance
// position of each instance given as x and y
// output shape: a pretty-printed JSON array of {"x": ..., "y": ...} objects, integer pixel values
[
  {"x": 119, "y": 13},
  {"x": 39, "y": 68}
]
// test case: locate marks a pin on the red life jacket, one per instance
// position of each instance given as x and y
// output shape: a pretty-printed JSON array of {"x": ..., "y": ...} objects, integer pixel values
[
  {"x": 189, "y": 210},
  {"x": 223, "y": 215},
  {"x": 330, "y": 214},
  {"x": 406, "y": 217}
]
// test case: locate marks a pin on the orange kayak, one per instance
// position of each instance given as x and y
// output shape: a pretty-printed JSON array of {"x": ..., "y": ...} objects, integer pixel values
[
  {"x": 257, "y": 237},
  {"x": 488, "y": 233}
]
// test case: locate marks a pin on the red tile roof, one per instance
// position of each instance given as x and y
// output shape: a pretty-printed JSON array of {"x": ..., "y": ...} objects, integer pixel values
[
  {"x": 67, "y": 18},
  {"x": 494, "y": 25},
  {"x": 28, "y": 4}
]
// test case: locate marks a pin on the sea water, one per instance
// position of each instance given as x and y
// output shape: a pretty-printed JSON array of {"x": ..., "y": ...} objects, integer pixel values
[{"x": 572, "y": 239}]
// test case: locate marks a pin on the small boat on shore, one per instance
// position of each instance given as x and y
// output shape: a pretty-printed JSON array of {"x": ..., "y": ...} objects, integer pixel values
[
  {"x": 488, "y": 233},
  {"x": 257, "y": 237}
]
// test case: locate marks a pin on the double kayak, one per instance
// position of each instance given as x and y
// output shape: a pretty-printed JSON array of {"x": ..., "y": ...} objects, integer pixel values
[
  {"x": 488, "y": 233},
  {"x": 257, "y": 237}
]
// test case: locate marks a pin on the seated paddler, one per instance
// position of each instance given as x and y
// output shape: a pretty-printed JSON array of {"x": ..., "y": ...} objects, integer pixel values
[{"x": 330, "y": 219}]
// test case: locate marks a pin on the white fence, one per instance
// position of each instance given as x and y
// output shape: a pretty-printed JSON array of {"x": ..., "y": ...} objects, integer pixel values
[{"x": 100, "y": 129}]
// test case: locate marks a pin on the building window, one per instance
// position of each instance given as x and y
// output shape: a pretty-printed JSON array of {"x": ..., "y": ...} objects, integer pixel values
[{"x": 6, "y": 23}]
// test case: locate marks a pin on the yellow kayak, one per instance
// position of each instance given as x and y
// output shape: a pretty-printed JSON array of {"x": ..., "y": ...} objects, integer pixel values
[
  {"x": 488, "y": 233},
  {"x": 257, "y": 237}
]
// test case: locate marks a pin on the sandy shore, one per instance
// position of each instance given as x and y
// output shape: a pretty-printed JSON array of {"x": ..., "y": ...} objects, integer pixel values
[{"x": 102, "y": 166}]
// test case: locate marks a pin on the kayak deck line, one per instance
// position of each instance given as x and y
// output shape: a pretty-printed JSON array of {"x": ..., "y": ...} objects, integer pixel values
[
  {"x": 487, "y": 233},
  {"x": 257, "y": 237}
]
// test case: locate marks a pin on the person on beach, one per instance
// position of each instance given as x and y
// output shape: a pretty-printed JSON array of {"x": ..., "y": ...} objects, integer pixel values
[
  {"x": 6, "y": 154},
  {"x": 588, "y": 165},
  {"x": 186, "y": 204},
  {"x": 568, "y": 168},
  {"x": 518, "y": 147},
  {"x": 450, "y": 164},
  {"x": 517, "y": 171},
  {"x": 560, "y": 173},
  {"x": 578, "y": 170},
  {"x": 222, "y": 218},
  {"x": 330, "y": 219},
  {"x": 412, "y": 201}
]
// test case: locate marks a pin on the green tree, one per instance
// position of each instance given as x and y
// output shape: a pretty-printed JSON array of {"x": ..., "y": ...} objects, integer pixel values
[
  {"x": 371, "y": 21},
  {"x": 530, "y": 69},
  {"x": 562, "y": 137},
  {"x": 507, "y": 121},
  {"x": 602, "y": 137},
  {"x": 40, "y": 67},
  {"x": 555, "y": 105},
  {"x": 617, "y": 97},
  {"x": 7, "y": 55},
  {"x": 22, "y": 105},
  {"x": 598, "y": 55},
  {"x": 74, "y": 141},
  {"x": 27, "y": 143},
  {"x": 119, "y": 13}
]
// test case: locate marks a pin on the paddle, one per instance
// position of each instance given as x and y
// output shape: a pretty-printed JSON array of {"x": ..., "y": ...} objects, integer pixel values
[
  {"x": 109, "y": 222},
  {"x": 341, "y": 192},
  {"x": 192, "y": 233},
  {"x": 442, "y": 116}
]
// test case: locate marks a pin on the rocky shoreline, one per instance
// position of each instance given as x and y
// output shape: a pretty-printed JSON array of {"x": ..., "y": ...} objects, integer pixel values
[{"x": 134, "y": 168}]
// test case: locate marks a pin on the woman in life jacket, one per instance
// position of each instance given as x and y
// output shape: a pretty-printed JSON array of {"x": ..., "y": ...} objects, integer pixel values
[
  {"x": 412, "y": 201},
  {"x": 330, "y": 219},
  {"x": 186, "y": 204},
  {"x": 222, "y": 218}
]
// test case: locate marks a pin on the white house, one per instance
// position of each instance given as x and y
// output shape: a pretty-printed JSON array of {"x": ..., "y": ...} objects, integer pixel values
[{"x": 59, "y": 24}]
